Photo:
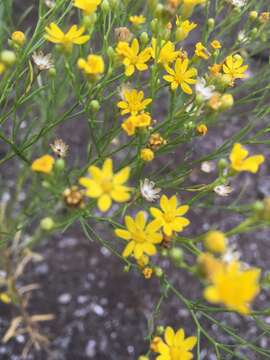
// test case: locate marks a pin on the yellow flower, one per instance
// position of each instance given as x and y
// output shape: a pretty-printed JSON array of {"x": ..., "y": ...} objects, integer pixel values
[
  {"x": 233, "y": 67},
  {"x": 133, "y": 102},
  {"x": 147, "y": 155},
  {"x": 106, "y": 186},
  {"x": 73, "y": 36},
  {"x": 132, "y": 58},
  {"x": 189, "y": 5},
  {"x": 215, "y": 69},
  {"x": 43, "y": 164},
  {"x": 18, "y": 37},
  {"x": 181, "y": 76},
  {"x": 215, "y": 242},
  {"x": 240, "y": 161},
  {"x": 216, "y": 44},
  {"x": 175, "y": 347},
  {"x": 170, "y": 215},
  {"x": 142, "y": 238},
  {"x": 136, "y": 121},
  {"x": 209, "y": 265},
  {"x": 87, "y": 6},
  {"x": 183, "y": 29},
  {"x": 137, "y": 19},
  {"x": 2, "y": 68},
  {"x": 202, "y": 129},
  {"x": 94, "y": 65},
  {"x": 166, "y": 54},
  {"x": 5, "y": 298},
  {"x": 201, "y": 51},
  {"x": 234, "y": 287}
]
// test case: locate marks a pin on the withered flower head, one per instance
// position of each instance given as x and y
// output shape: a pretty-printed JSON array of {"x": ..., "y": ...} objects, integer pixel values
[
  {"x": 59, "y": 148},
  {"x": 123, "y": 34},
  {"x": 264, "y": 17},
  {"x": 42, "y": 62},
  {"x": 73, "y": 197},
  {"x": 156, "y": 141}
]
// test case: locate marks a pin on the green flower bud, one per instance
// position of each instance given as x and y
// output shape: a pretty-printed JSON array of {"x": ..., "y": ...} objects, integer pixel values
[
  {"x": 158, "y": 271},
  {"x": 211, "y": 23},
  {"x": 60, "y": 165},
  {"x": 160, "y": 330},
  {"x": 105, "y": 6},
  {"x": 46, "y": 184},
  {"x": 144, "y": 38},
  {"x": 254, "y": 32},
  {"x": 94, "y": 105},
  {"x": 159, "y": 10},
  {"x": 114, "y": 4},
  {"x": 111, "y": 53},
  {"x": 89, "y": 21},
  {"x": 154, "y": 26},
  {"x": 47, "y": 224},
  {"x": 52, "y": 72},
  {"x": 258, "y": 206},
  {"x": 227, "y": 101},
  {"x": 126, "y": 268},
  {"x": 164, "y": 252},
  {"x": 222, "y": 164},
  {"x": 8, "y": 57},
  {"x": 176, "y": 254},
  {"x": 253, "y": 15},
  {"x": 142, "y": 357}
]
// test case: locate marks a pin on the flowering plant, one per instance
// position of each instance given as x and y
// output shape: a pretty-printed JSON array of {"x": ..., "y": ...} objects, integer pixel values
[{"x": 149, "y": 118}]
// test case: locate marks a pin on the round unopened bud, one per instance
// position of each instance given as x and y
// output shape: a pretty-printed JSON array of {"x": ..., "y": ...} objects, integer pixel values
[
  {"x": 60, "y": 164},
  {"x": 222, "y": 164},
  {"x": 144, "y": 38},
  {"x": 8, "y": 57},
  {"x": 254, "y": 32},
  {"x": 52, "y": 72},
  {"x": 126, "y": 268},
  {"x": 158, "y": 271},
  {"x": 105, "y": 6},
  {"x": 159, "y": 10},
  {"x": 258, "y": 206},
  {"x": 89, "y": 20},
  {"x": 176, "y": 254},
  {"x": 226, "y": 101},
  {"x": 164, "y": 252},
  {"x": 225, "y": 80},
  {"x": 47, "y": 224},
  {"x": 143, "y": 357},
  {"x": 160, "y": 330},
  {"x": 94, "y": 105},
  {"x": 211, "y": 23},
  {"x": 253, "y": 15},
  {"x": 46, "y": 184}
]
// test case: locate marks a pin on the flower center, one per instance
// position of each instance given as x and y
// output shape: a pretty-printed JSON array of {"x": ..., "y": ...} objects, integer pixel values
[
  {"x": 106, "y": 186},
  {"x": 168, "y": 216},
  {"x": 139, "y": 236}
]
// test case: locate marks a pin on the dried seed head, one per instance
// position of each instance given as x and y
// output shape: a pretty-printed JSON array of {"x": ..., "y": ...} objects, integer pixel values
[
  {"x": 59, "y": 148},
  {"x": 123, "y": 34},
  {"x": 73, "y": 197},
  {"x": 156, "y": 141}
]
